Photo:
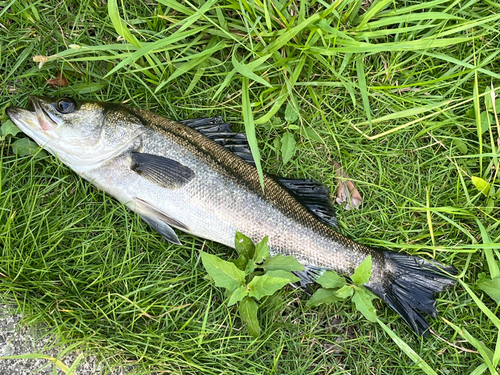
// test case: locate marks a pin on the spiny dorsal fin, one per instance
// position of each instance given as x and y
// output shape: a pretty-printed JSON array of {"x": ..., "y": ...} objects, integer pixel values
[
  {"x": 219, "y": 131},
  {"x": 314, "y": 196}
]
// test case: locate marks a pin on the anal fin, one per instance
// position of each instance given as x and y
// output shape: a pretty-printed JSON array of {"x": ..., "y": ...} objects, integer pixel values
[{"x": 307, "y": 277}]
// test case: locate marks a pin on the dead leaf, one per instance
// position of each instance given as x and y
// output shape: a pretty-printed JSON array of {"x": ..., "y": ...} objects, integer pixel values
[
  {"x": 346, "y": 190},
  {"x": 60, "y": 81}
]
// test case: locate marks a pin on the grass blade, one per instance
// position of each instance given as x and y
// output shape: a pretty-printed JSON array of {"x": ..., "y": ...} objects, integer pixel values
[
  {"x": 250, "y": 127},
  {"x": 119, "y": 25},
  {"x": 155, "y": 46},
  {"x": 490, "y": 258},
  {"x": 195, "y": 61},
  {"x": 485, "y": 352},
  {"x": 407, "y": 350},
  {"x": 363, "y": 89},
  {"x": 244, "y": 71}
]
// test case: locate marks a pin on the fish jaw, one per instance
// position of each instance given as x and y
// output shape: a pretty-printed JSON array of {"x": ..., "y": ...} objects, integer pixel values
[{"x": 37, "y": 127}]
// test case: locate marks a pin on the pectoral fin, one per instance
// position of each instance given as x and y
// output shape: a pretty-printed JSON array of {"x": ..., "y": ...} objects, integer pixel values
[{"x": 162, "y": 171}]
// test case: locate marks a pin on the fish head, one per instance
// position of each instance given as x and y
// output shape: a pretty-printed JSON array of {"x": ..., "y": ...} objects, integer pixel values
[{"x": 80, "y": 133}]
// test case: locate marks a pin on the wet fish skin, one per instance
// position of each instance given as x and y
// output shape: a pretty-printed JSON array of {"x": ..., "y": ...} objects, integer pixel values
[{"x": 173, "y": 176}]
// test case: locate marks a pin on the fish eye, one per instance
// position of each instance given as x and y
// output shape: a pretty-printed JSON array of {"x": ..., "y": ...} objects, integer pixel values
[{"x": 65, "y": 105}]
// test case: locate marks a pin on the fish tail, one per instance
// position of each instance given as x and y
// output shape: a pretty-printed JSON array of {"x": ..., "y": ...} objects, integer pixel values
[{"x": 408, "y": 285}]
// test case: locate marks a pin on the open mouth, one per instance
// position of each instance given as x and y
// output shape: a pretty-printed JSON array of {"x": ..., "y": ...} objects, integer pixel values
[
  {"x": 46, "y": 120},
  {"x": 35, "y": 117},
  {"x": 31, "y": 106}
]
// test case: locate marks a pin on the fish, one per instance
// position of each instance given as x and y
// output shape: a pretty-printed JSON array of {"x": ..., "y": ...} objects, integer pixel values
[{"x": 199, "y": 177}]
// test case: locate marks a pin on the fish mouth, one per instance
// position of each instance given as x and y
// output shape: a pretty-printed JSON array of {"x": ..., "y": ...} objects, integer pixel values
[
  {"x": 35, "y": 121},
  {"x": 34, "y": 118}
]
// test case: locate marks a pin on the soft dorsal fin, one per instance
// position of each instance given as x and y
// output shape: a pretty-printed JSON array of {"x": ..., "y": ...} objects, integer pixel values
[
  {"x": 314, "y": 196},
  {"x": 219, "y": 131}
]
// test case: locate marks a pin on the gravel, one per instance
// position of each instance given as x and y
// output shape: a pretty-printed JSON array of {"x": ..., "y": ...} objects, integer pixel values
[{"x": 16, "y": 340}]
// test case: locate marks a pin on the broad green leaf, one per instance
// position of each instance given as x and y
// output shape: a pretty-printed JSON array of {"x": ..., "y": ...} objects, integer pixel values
[
  {"x": 488, "y": 102},
  {"x": 491, "y": 288},
  {"x": 25, "y": 147},
  {"x": 8, "y": 128},
  {"x": 490, "y": 314},
  {"x": 250, "y": 267},
  {"x": 363, "y": 300},
  {"x": 481, "y": 185},
  {"x": 486, "y": 121},
  {"x": 497, "y": 107},
  {"x": 287, "y": 147},
  {"x": 225, "y": 274},
  {"x": 241, "y": 262},
  {"x": 322, "y": 296},
  {"x": 345, "y": 291},
  {"x": 240, "y": 293},
  {"x": 244, "y": 245},
  {"x": 283, "y": 274},
  {"x": 331, "y": 280},
  {"x": 311, "y": 134},
  {"x": 277, "y": 145},
  {"x": 261, "y": 251},
  {"x": 462, "y": 147},
  {"x": 269, "y": 283},
  {"x": 490, "y": 205},
  {"x": 362, "y": 274},
  {"x": 291, "y": 114},
  {"x": 280, "y": 262},
  {"x": 248, "y": 313}
]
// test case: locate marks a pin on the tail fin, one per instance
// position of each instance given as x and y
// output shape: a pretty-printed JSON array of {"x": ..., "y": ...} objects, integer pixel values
[{"x": 408, "y": 286}]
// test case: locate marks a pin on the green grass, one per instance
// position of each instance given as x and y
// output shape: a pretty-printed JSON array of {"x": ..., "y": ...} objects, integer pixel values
[{"x": 396, "y": 92}]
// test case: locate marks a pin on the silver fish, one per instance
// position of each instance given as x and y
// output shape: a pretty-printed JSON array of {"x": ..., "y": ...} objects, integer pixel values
[{"x": 198, "y": 176}]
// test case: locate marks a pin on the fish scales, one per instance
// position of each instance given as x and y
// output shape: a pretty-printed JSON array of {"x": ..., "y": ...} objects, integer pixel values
[
  {"x": 172, "y": 175},
  {"x": 298, "y": 232}
]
